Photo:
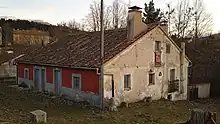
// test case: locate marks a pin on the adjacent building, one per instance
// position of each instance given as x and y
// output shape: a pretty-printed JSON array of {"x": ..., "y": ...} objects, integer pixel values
[
  {"x": 140, "y": 61},
  {"x": 8, "y": 55},
  {"x": 23, "y": 37},
  {"x": 32, "y": 36}
]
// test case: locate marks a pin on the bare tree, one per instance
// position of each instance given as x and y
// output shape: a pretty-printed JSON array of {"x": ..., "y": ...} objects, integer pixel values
[
  {"x": 119, "y": 15},
  {"x": 202, "y": 20},
  {"x": 63, "y": 24},
  {"x": 92, "y": 20},
  {"x": 72, "y": 24},
  {"x": 191, "y": 19},
  {"x": 115, "y": 16},
  {"x": 182, "y": 19}
]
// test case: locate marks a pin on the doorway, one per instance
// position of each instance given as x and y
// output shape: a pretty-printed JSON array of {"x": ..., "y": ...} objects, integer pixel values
[
  {"x": 36, "y": 79},
  {"x": 57, "y": 81},
  {"x": 109, "y": 86},
  {"x": 43, "y": 80}
]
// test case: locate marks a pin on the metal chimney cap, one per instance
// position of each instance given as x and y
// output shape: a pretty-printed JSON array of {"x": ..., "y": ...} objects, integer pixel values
[{"x": 134, "y": 8}]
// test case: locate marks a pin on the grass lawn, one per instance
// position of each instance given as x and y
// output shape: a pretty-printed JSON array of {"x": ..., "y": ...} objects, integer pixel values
[{"x": 15, "y": 105}]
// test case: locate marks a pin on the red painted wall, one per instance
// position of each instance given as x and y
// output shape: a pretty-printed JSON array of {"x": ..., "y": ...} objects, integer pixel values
[
  {"x": 21, "y": 68},
  {"x": 49, "y": 73},
  {"x": 30, "y": 68},
  {"x": 89, "y": 79}
]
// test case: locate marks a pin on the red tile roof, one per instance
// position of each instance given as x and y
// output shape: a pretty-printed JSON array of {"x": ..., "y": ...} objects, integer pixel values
[{"x": 82, "y": 49}]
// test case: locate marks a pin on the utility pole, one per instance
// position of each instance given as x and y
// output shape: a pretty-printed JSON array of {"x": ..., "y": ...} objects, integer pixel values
[{"x": 102, "y": 56}]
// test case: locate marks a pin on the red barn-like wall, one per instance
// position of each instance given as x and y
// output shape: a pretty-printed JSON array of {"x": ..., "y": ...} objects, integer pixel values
[
  {"x": 89, "y": 79},
  {"x": 21, "y": 68},
  {"x": 49, "y": 73}
]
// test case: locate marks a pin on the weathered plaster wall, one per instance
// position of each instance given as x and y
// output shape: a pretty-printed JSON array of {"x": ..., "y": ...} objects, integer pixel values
[
  {"x": 137, "y": 60},
  {"x": 173, "y": 62}
]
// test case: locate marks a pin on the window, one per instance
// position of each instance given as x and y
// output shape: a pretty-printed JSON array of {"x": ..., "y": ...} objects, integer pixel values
[
  {"x": 168, "y": 48},
  {"x": 26, "y": 75},
  {"x": 157, "y": 45},
  {"x": 172, "y": 75},
  {"x": 127, "y": 82},
  {"x": 76, "y": 81},
  {"x": 158, "y": 58},
  {"x": 151, "y": 78},
  {"x": 157, "y": 53}
]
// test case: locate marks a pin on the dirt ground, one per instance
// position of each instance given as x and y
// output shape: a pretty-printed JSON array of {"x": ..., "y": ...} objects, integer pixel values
[{"x": 15, "y": 105}]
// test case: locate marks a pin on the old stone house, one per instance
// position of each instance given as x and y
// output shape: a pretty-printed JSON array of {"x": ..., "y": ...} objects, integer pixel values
[{"x": 140, "y": 61}]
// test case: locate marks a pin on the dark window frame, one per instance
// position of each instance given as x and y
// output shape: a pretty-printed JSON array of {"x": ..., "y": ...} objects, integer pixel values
[
  {"x": 151, "y": 78},
  {"x": 168, "y": 48},
  {"x": 127, "y": 82},
  {"x": 76, "y": 81},
  {"x": 26, "y": 73}
]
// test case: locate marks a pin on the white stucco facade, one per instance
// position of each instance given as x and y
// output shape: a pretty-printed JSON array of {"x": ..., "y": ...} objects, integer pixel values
[{"x": 137, "y": 60}]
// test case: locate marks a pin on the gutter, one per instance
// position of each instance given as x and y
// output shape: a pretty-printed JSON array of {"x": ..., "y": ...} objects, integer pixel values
[{"x": 86, "y": 68}]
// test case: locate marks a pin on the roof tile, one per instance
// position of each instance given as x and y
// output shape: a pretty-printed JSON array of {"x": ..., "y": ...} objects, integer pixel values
[{"x": 81, "y": 49}]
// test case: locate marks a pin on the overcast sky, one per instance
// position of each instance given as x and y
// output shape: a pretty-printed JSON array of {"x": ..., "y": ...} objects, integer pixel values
[{"x": 54, "y": 11}]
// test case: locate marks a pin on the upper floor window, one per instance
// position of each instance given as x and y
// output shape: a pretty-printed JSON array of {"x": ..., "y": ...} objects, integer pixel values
[
  {"x": 127, "y": 82},
  {"x": 76, "y": 81},
  {"x": 157, "y": 53},
  {"x": 172, "y": 74},
  {"x": 26, "y": 73},
  {"x": 157, "y": 45},
  {"x": 167, "y": 48}
]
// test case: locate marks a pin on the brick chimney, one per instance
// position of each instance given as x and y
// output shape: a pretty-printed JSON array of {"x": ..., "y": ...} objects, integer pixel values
[{"x": 134, "y": 22}]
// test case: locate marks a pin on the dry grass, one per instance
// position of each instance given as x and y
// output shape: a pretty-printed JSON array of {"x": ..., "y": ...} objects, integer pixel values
[{"x": 15, "y": 106}]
